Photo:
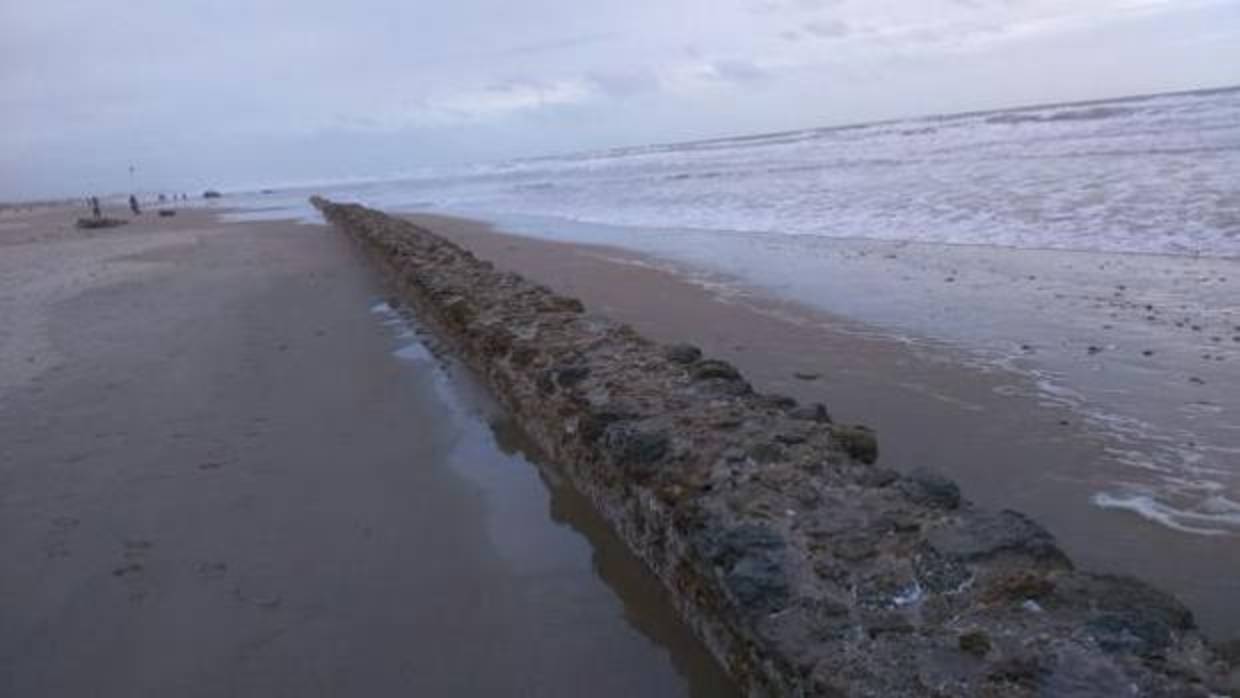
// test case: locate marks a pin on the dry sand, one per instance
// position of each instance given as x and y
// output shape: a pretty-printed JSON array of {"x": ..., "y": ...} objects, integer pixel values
[
  {"x": 225, "y": 472},
  {"x": 930, "y": 406}
]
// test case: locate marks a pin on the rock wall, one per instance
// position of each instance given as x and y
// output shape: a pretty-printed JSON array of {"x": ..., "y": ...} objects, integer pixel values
[{"x": 805, "y": 568}]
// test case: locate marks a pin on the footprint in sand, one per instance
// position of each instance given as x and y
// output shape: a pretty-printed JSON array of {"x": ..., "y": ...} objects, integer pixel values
[
  {"x": 57, "y": 544},
  {"x": 134, "y": 567},
  {"x": 212, "y": 570}
]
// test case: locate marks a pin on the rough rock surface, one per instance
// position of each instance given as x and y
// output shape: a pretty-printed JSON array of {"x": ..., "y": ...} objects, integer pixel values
[{"x": 806, "y": 569}]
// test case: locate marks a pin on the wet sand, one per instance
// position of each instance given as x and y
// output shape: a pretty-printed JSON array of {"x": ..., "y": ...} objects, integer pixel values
[
  {"x": 932, "y": 407},
  {"x": 227, "y": 469}
]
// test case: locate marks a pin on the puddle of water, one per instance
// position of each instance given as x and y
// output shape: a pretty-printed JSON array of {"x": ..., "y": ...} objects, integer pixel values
[{"x": 545, "y": 529}]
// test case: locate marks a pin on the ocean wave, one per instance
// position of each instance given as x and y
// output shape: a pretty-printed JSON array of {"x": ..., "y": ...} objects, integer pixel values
[
  {"x": 1215, "y": 515},
  {"x": 1148, "y": 174}
]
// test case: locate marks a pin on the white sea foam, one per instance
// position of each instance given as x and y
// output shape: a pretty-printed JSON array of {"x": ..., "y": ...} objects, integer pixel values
[{"x": 1216, "y": 515}]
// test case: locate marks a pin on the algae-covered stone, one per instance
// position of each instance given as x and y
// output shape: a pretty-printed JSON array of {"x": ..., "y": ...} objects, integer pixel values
[
  {"x": 598, "y": 418},
  {"x": 1129, "y": 633},
  {"x": 767, "y": 452},
  {"x": 758, "y": 582},
  {"x": 857, "y": 441},
  {"x": 636, "y": 450},
  {"x": 981, "y": 534},
  {"x": 816, "y": 412},
  {"x": 750, "y": 557},
  {"x": 682, "y": 353},
  {"x": 976, "y": 643},
  {"x": 1021, "y": 585},
  {"x": 777, "y": 402},
  {"x": 932, "y": 489},
  {"x": 878, "y": 477},
  {"x": 723, "y": 545},
  {"x": 709, "y": 369},
  {"x": 938, "y": 573}
]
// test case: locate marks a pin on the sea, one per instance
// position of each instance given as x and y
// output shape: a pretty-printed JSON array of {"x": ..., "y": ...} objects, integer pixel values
[{"x": 1153, "y": 174}]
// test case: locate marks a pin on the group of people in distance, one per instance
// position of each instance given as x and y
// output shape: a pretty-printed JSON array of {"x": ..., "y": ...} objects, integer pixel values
[{"x": 97, "y": 212}]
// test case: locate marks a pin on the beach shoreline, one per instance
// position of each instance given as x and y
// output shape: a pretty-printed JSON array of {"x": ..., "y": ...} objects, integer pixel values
[{"x": 933, "y": 405}]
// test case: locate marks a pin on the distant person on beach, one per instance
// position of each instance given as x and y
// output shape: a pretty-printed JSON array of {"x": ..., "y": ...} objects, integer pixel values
[
  {"x": 133, "y": 205},
  {"x": 94, "y": 207}
]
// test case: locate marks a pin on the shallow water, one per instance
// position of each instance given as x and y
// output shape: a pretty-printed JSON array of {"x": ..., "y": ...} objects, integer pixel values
[{"x": 567, "y": 559}]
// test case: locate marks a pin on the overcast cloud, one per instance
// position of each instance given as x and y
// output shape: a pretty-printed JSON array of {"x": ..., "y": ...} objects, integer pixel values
[{"x": 227, "y": 93}]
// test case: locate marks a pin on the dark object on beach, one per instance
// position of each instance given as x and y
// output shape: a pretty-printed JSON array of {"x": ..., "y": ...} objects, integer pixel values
[
  {"x": 211, "y": 194},
  {"x": 94, "y": 208},
  {"x": 267, "y": 191},
  {"x": 1094, "y": 349},
  {"x": 133, "y": 205},
  {"x": 807, "y": 375},
  {"x": 100, "y": 222},
  {"x": 166, "y": 213}
]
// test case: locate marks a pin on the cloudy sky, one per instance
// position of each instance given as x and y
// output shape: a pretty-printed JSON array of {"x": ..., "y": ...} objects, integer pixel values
[{"x": 234, "y": 93}]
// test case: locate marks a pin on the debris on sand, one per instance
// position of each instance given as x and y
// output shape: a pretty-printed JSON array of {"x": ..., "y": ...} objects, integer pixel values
[{"x": 101, "y": 222}]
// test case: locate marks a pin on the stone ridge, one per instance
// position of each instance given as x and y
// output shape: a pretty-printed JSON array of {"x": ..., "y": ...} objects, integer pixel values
[{"x": 805, "y": 568}]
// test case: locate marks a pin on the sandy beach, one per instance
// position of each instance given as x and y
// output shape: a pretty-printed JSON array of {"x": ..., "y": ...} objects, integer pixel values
[
  {"x": 231, "y": 467},
  {"x": 991, "y": 428}
]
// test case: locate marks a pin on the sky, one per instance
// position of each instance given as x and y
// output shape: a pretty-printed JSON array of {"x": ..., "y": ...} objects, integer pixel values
[{"x": 250, "y": 93}]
